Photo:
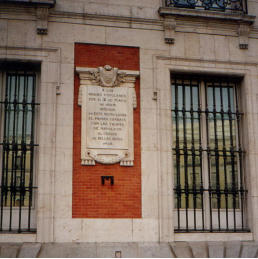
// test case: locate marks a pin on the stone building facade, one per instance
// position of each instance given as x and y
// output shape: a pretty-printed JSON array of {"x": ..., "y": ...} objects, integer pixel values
[{"x": 170, "y": 154}]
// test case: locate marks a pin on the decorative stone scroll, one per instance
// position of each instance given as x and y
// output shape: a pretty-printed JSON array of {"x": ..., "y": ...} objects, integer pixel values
[
  {"x": 243, "y": 35},
  {"x": 169, "y": 30},
  {"x": 42, "y": 20},
  {"x": 107, "y": 97}
]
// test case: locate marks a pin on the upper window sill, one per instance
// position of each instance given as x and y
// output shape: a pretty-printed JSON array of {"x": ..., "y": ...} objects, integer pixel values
[
  {"x": 47, "y": 3},
  {"x": 195, "y": 13}
]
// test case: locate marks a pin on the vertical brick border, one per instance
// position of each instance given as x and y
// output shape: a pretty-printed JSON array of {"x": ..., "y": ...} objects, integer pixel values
[{"x": 90, "y": 198}]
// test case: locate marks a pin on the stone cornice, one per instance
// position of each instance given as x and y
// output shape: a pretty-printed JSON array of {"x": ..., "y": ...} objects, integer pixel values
[
  {"x": 55, "y": 14},
  {"x": 179, "y": 13},
  {"x": 209, "y": 61},
  {"x": 183, "y": 23}
]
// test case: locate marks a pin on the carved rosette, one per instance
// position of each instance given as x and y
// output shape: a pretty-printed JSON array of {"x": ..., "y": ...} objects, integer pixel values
[{"x": 107, "y": 97}]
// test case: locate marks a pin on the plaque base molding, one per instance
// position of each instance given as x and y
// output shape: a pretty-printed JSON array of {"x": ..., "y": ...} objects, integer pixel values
[{"x": 105, "y": 157}]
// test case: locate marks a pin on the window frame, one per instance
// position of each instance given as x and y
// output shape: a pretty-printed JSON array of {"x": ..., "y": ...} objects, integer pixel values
[
  {"x": 205, "y": 170},
  {"x": 163, "y": 66},
  {"x": 30, "y": 210}
]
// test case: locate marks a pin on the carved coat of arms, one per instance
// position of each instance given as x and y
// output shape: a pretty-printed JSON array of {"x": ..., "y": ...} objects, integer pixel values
[{"x": 108, "y": 76}]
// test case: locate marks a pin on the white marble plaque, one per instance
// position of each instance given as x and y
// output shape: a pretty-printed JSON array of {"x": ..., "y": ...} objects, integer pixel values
[
  {"x": 107, "y": 117},
  {"x": 107, "y": 98}
]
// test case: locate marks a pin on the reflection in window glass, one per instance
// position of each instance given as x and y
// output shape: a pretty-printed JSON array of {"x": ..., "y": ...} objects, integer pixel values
[{"x": 17, "y": 164}]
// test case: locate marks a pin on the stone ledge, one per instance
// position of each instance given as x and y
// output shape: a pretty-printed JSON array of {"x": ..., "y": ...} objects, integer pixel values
[
  {"x": 145, "y": 249},
  {"x": 47, "y": 3}
]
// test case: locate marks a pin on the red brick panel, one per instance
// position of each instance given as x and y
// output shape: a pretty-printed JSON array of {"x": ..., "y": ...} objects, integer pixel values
[{"x": 90, "y": 198}]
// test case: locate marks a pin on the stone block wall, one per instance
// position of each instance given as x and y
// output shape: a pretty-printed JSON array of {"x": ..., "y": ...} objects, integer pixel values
[{"x": 72, "y": 204}]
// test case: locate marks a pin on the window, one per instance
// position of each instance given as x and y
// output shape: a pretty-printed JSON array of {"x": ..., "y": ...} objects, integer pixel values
[
  {"x": 207, "y": 155},
  {"x": 214, "y": 5},
  {"x": 17, "y": 151}
]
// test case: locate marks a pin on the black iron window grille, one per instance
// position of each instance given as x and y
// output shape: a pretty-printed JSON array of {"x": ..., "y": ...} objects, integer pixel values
[
  {"x": 209, "y": 184},
  {"x": 18, "y": 108},
  {"x": 213, "y": 5}
]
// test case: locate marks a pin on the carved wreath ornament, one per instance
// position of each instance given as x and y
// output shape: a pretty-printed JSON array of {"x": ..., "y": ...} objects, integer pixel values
[{"x": 107, "y": 76}]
